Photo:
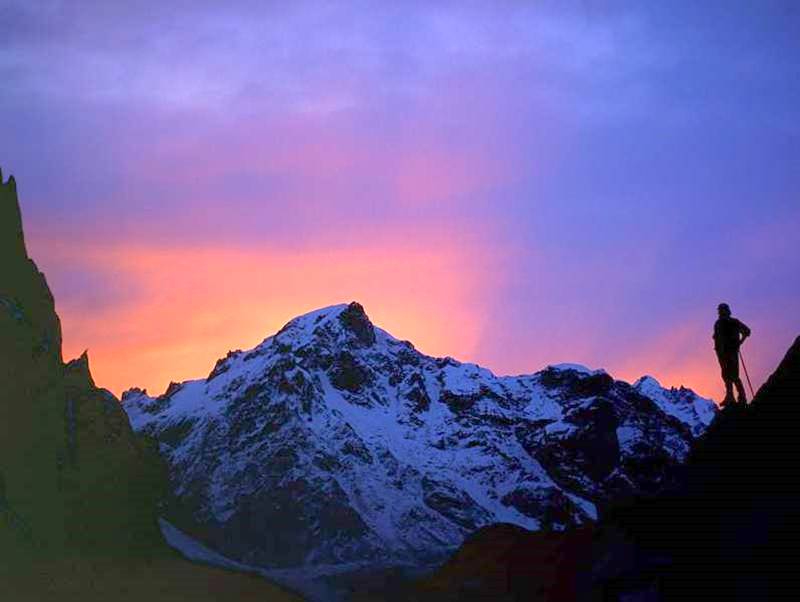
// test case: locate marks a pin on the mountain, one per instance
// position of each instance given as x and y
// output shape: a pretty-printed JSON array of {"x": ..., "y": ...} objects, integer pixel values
[
  {"x": 333, "y": 446},
  {"x": 729, "y": 526},
  {"x": 726, "y": 528},
  {"x": 79, "y": 490}
]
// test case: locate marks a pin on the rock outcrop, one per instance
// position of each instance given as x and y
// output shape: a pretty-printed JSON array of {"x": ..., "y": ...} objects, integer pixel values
[
  {"x": 79, "y": 490},
  {"x": 729, "y": 528},
  {"x": 726, "y": 529}
]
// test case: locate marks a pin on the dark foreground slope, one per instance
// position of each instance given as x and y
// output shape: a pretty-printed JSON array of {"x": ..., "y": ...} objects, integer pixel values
[
  {"x": 727, "y": 531},
  {"x": 731, "y": 529},
  {"x": 78, "y": 489}
]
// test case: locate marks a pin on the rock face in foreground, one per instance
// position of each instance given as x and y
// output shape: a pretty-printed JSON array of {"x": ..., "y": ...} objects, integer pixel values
[
  {"x": 726, "y": 530},
  {"x": 73, "y": 476},
  {"x": 79, "y": 490},
  {"x": 729, "y": 529},
  {"x": 333, "y": 443}
]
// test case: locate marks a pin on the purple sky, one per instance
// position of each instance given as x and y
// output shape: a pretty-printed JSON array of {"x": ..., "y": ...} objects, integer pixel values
[{"x": 511, "y": 183}]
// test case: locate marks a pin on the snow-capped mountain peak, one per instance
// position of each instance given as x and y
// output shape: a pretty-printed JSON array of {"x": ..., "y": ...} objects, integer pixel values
[
  {"x": 346, "y": 323},
  {"x": 333, "y": 443}
]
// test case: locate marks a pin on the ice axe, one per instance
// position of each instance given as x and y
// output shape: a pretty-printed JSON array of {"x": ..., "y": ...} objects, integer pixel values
[{"x": 749, "y": 384}]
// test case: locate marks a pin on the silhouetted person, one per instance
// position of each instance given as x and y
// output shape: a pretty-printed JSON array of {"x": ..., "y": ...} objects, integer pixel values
[{"x": 729, "y": 334}]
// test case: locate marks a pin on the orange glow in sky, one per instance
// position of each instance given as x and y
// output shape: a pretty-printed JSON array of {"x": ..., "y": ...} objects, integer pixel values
[
  {"x": 512, "y": 187},
  {"x": 178, "y": 308},
  {"x": 189, "y": 306}
]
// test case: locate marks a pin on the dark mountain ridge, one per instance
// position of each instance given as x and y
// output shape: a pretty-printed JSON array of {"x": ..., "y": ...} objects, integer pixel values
[
  {"x": 730, "y": 528},
  {"x": 79, "y": 491},
  {"x": 726, "y": 529}
]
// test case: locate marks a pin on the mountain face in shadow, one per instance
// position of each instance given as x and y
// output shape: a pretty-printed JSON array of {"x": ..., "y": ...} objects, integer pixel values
[
  {"x": 31, "y": 412},
  {"x": 730, "y": 529},
  {"x": 79, "y": 491},
  {"x": 727, "y": 529},
  {"x": 74, "y": 476}
]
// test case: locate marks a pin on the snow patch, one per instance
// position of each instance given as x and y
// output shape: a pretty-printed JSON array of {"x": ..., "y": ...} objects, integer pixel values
[
  {"x": 685, "y": 405},
  {"x": 579, "y": 368}
]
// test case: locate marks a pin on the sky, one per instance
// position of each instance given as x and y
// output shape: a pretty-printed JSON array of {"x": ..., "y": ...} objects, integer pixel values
[{"x": 508, "y": 183}]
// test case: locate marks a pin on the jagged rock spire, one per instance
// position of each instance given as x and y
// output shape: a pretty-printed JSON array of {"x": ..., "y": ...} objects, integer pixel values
[
  {"x": 12, "y": 240},
  {"x": 80, "y": 368}
]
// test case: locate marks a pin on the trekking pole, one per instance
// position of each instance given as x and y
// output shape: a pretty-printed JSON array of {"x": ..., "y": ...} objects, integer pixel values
[{"x": 741, "y": 357}]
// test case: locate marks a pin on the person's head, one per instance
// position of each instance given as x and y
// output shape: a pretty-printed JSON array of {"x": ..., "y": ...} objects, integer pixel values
[{"x": 724, "y": 310}]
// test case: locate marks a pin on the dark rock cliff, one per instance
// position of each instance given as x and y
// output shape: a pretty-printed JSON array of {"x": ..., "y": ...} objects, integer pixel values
[
  {"x": 729, "y": 530},
  {"x": 79, "y": 491},
  {"x": 726, "y": 530},
  {"x": 75, "y": 476}
]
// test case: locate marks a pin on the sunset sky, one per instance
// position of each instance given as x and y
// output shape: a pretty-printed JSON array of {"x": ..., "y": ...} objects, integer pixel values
[{"x": 508, "y": 183}]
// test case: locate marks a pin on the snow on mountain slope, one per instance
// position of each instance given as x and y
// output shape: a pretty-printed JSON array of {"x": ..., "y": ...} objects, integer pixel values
[
  {"x": 334, "y": 443},
  {"x": 681, "y": 403}
]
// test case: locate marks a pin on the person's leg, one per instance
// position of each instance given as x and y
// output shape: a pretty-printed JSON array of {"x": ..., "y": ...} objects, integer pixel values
[
  {"x": 729, "y": 364},
  {"x": 724, "y": 372},
  {"x": 729, "y": 398},
  {"x": 741, "y": 395}
]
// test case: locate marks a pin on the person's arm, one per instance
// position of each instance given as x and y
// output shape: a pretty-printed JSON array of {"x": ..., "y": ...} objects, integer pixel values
[{"x": 744, "y": 331}]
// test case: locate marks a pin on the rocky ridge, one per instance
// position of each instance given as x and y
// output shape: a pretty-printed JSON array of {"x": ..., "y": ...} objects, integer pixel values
[{"x": 79, "y": 490}]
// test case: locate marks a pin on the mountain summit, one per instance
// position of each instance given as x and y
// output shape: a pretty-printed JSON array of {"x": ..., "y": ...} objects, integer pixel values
[
  {"x": 12, "y": 240},
  {"x": 332, "y": 443}
]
